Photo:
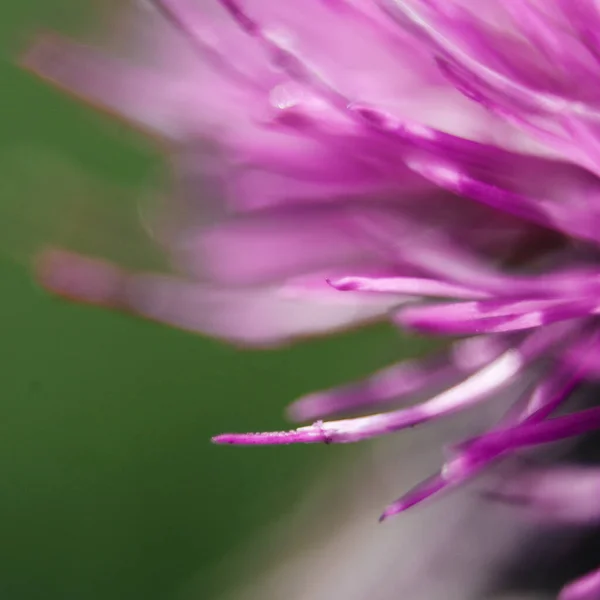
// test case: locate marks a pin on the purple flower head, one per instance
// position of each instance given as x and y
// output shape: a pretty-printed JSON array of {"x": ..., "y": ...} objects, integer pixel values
[
  {"x": 271, "y": 173},
  {"x": 343, "y": 160}
]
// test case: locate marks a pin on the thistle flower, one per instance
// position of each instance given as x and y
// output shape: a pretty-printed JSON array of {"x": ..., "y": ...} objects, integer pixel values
[
  {"x": 391, "y": 153},
  {"x": 270, "y": 176}
]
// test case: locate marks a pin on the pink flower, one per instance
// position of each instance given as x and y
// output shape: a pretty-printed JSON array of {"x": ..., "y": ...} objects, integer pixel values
[
  {"x": 340, "y": 160},
  {"x": 271, "y": 174}
]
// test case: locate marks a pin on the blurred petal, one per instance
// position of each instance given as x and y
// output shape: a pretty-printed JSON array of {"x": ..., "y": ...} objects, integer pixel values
[{"x": 260, "y": 316}]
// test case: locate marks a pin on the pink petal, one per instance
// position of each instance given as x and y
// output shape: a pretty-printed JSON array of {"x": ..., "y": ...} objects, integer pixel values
[
  {"x": 584, "y": 588},
  {"x": 401, "y": 381},
  {"x": 476, "y": 388},
  {"x": 493, "y": 316},
  {"x": 261, "y": 316}
]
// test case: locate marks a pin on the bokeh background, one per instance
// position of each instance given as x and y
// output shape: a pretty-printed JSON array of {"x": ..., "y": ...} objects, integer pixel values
[{"x": 109, "y": 486}]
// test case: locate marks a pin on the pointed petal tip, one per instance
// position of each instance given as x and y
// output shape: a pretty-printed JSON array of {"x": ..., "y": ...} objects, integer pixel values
[
  {"x": 39, "y": 51},
  {"x": 385, "y": 515},
  {"x": 304, "y": 435},
  {"x": 79, "y": 278},
  {"x": 391, "y": 511},
  {"x": 223, "y": 438},
  {"x": 344, "y": 284},
  {"x": 245, "y": 439}
]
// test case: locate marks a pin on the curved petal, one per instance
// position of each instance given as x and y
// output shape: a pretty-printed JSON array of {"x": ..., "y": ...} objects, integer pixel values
[{"x": 261, "y": 316}]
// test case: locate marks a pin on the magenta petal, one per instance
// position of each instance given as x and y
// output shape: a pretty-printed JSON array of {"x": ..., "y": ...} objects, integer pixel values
[
  {"x": 535, "y": 433},
  {"x": 476, "y": 455},
  {"x": 414, "y": 286},
  {"x": 547, "y": 396},
  {"x": 401, "y": 381},
  {"x": 455, "y": 472},
  {"x": 494, "y": 376},
  {"x": 583, "y": 355},
  {"x": 584, "y": 588},
  {"x": 476, "y": 388},
  {"x": 418, "y": 494},
  {"x": 493, "y": 316},
  {"x": 556, "y": 495},
  {"x": 305, "y": 435}
]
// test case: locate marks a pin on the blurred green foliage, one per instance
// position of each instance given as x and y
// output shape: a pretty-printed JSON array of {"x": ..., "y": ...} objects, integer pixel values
[{"x": 109, "y": 486}]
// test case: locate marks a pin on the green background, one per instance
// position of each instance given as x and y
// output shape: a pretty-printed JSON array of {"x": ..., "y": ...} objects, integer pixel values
[{"x": 109, "y": 486}]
